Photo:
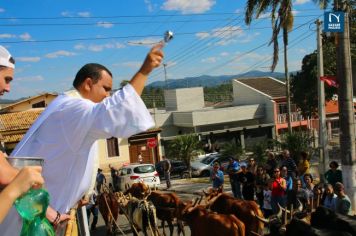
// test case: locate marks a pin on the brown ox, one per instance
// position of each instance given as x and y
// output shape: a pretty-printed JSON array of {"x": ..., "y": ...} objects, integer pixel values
[
  {"x": 109, "y": 209},
  {"x": 168, "y": 207},
  {"x": 246, "y": 211},
  {"x": 138, "y": 190},
  {"x": 202, "y": 222}
]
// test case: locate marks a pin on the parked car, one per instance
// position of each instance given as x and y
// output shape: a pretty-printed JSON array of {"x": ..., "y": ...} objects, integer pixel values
[
  {"x": 134, "y": 173},
  {"x": 203, "y": 166},
  {"x": 178, "y": 168}
]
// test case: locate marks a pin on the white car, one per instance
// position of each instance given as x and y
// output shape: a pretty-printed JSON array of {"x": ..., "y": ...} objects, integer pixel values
[{"x": 135, "y": 173}]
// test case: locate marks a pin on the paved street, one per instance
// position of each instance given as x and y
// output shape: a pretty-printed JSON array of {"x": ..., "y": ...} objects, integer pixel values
[{"x": 186, "y": 190}]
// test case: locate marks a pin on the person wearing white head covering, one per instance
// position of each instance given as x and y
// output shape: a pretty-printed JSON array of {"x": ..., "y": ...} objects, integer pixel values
[
  {"x": 66, "y": 132},
  {"x": 28, "y": 176}
]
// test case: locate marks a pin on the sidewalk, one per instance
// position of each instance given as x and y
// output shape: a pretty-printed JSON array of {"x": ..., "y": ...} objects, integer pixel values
[{"x": 192, "y": 186}]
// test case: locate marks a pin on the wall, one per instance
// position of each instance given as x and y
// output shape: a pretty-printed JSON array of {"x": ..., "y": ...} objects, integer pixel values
[{"x": 184, "y": 99}]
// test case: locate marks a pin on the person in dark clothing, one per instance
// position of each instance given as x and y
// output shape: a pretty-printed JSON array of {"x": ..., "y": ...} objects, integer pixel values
[
  {"x": 247, "y": 180},
  {"x": 92, "y": 208},
  {"x": 233, "y": 169},
  {"x": 333, "y": 175},
  {"x": 289, "y": 163},
  {"x": 100, "y": 180},
  {"x": 114, "y": 177},
  {"x": 261, "y": 181},
  {"x": 167, "y": 171},
  {"x": 271, "y": 163}
]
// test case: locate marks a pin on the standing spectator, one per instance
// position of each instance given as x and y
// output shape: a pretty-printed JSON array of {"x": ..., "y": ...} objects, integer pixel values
[
  {"x": 303, "y": 165},
  {"x": 297, "y": 193},
  {"x": 333, "y": 175},
  {"x": 114, "y": 177},
  {"x": 330, "y": 198},
  {"x": 261, "y": 180},
  {"x": 140, "y": 157},
  {"x": 343, "y": 203},
  {"x": 233, "y": 169},
  {"x": 92, "y": 208},
  {"x": 271, "y": 163},
  {"x": 252, "y": 166},
  {"x": 289, "y": 163},
  {"x": 167, "y": 171},
  {"x": 217, "y": 176},
  {"x": 267, "y": 195},
  {"x": 289, "y": 183},
  {"x": 309, "y": 188},
  {"x": 247, "y": 180},
  {"x": 279, "y": 187},
  {"x": 100, "y": 180}
]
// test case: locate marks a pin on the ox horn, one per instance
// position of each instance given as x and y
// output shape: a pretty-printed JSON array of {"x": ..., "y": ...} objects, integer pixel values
[
  {"x": 264, "y": 220},
  {"x": 283, "y": 209},
  {"x": 280, "y": 212},
  {"x": 195, "y": 201},
  {"x": 300, "y": 206},
  {"x": 254, "y": 233},
  {"x": 200, "y": 199}
]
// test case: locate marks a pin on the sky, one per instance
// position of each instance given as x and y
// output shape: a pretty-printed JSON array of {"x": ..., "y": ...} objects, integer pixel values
[{"x": 51, "y": 39}]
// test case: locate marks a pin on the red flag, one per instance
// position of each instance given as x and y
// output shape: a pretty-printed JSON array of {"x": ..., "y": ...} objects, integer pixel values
[{"x": 330, "y": 80}]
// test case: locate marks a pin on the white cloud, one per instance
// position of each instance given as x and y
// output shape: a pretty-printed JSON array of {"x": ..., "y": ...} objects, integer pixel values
[
  {"x": 224, "y": 54},
  {"x": 301, "y": 51},
  {"x": 148, "y": 42},
  {"x": 7, "y": 36},
  {"x": 28, "y": 59},
  {"x": 99, "y": 47},
  {"x": 300, "y": 2},
  {"x": 25, "y": 36},
  {"x": 210, "y": 59},
  {"x": 149, "y": 5},
  {"x": 202, "y": 35},
  {"x": 2, "y": 10},
  {"x": 66, "y": 13},
  {"x": 294, "y": 12},
  {"x": 84, "y": 14},
  {"x": 188, "y": 6},
  {"x": 30, "y": 78},
  {"x": 226, "y": 35},
  {"x": 105, "y": 24},
  {"x": 60, "y": 53}
]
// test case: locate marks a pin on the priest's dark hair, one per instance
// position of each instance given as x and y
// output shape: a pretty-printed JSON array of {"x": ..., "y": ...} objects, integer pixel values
[{"x": 90, "y": 70}]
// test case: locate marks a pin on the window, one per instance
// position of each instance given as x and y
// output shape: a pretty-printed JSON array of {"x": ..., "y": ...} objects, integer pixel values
[
  {"x": 39, "y": 104},
  {"x": 144, "y": 169},
  {"x": 113, "y": 147}
]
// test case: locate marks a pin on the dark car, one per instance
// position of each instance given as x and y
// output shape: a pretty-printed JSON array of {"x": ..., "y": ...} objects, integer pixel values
[{"x": 178, "y": 168}]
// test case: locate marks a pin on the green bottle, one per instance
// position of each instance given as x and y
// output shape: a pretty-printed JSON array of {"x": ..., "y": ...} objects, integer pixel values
[{"x": 32, "y": 208}]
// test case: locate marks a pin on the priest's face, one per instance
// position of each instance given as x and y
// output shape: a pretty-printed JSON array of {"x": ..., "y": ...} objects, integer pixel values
[{"x": 101, "y": 89}]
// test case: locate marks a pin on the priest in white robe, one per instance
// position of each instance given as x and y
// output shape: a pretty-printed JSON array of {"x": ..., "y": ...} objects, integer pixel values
[{"x": 66, "y": 132}]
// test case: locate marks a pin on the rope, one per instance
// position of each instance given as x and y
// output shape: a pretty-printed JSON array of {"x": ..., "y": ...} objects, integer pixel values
[{"x": 117, "y": 225}]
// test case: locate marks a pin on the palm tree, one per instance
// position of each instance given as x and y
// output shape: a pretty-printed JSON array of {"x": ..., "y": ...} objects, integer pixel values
[
  {"x": 184, "y": 148},
  {"x": 282, "y": 18}
]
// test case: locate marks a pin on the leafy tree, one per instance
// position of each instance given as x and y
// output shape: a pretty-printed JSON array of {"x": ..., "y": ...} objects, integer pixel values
[
  {"x": 282, "y": 18},
  {"x": 231, "y": 149},
  {"x": 185, "y": 147},
  {"x": 296, "y": 143},
  {"x": 304, "y": 84}
]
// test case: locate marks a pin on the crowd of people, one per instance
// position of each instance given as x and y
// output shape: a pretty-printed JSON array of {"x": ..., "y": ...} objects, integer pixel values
[{"x": 282, "y": 181}]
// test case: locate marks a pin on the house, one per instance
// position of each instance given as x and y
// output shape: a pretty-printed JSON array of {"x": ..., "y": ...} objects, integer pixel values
[
  {"x": 271, "y": 93},
  {"x": 185, "y": 112},
  {"x": 38, "y": 101}
]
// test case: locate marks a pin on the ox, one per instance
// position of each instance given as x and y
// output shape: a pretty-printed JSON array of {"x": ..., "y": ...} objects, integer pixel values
[
  {"x": 201, "y": 223},
  {"x": 141, "y": 214},
  {"x": 109, "y": 209},
  {"x": 138, "y": 190},
  {"x": 298, "y": 227},
  {"x": 246, "y": 211},
  {"x": 327, "y": 219},
  {"x": 168, "y": 207}
]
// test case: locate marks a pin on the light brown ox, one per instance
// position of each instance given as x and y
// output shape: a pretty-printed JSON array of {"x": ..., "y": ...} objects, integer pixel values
[
  {"x": 246, "y": 211},
  {"x": 202, "y": 222}
]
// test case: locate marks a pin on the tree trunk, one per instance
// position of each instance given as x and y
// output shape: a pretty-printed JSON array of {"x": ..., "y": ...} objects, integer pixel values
[
  {"x": 346, "y": 112},
  {"x": 286, "y": 74}
]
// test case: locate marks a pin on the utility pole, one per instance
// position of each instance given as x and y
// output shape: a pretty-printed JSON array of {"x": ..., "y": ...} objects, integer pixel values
[
  {"x": 323, "y": 137},
  {"x": 346, "y": 107}
]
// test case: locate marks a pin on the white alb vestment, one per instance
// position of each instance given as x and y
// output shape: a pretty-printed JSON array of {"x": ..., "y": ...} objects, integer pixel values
[{"x": 64, "y": 137}]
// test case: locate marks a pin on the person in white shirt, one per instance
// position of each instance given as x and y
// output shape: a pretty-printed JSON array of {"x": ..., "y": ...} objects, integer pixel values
[
  {"x": 65, "y": 134},
  {"x": 267, "y": 195}
]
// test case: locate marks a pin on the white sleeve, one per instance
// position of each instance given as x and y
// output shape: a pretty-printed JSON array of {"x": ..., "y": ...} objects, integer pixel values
[{"x": 121, "y": 115}]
